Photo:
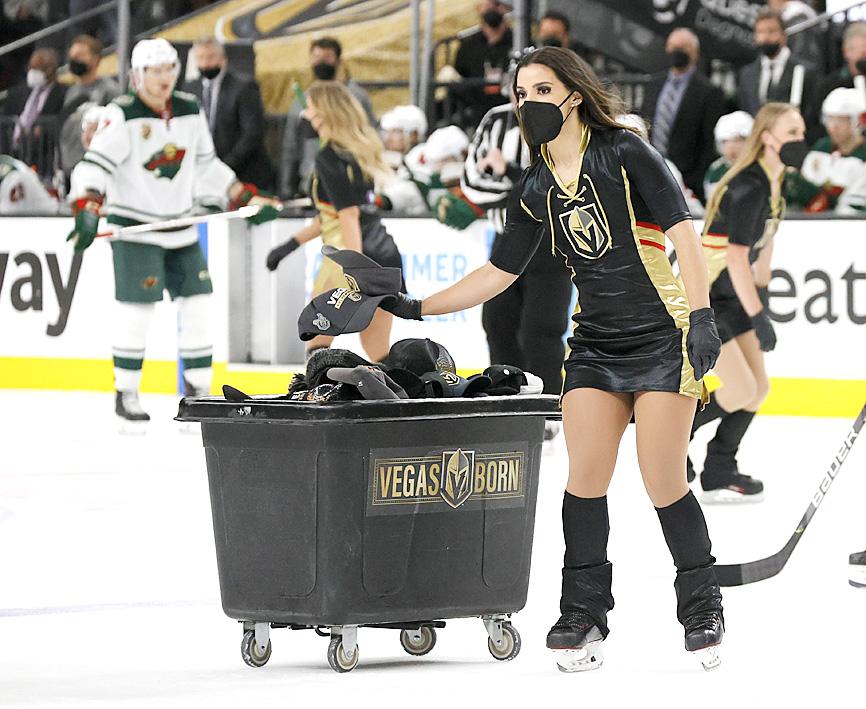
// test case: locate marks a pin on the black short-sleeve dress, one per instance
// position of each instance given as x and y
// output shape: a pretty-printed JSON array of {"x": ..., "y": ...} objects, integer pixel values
[
  {"x": 337, "y": 182},
  {"x": 747, "y": 216},
  {"x": 632, "y": 315}
]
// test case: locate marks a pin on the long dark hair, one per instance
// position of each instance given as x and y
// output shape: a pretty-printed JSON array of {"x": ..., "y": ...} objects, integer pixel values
[{"x": 600, "y": 105}]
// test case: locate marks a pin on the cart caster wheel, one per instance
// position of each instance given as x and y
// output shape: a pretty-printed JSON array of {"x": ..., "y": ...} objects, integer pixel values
[
  {"x": 510, "y": 646},
  {"x": 337, "y": 658},
  {"x": 420, "y": 646},
  {"x": 251, "y": 653}
]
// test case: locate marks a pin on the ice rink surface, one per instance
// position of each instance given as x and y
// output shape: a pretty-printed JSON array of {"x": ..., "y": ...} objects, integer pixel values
[{"x": 109, "y": 593}]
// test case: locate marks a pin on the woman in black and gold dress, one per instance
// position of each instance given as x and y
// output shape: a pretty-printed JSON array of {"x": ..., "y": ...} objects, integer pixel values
[
  {"x": 742, "y": 218},
  {"x": 604, "y": 200},
  {"x": 348, "y": 165}
]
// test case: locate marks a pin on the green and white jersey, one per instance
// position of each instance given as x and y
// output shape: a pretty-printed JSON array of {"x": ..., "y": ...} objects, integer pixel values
[
  {"x": 153, "y": 167},
  {"x": 21, "y": 190},
  {"x": 715, "y": 172}
]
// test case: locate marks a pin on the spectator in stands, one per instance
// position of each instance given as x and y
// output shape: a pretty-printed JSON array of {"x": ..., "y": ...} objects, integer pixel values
[
  {"x": 553, "y": 31},
  {"x": 18, "y": 18},
  {"x": 483, "y": 55},
  {"x": 806, "y": 44},
  {"x": 777, "y": 74},
  {"x": 235, "y": 114},
  {"x": 854, "y": 53},
  {"x": 85, "y": 53},
  {"x": 103, "y": 26},
  {"x": 40, "y": 97},
  {"x": 683, "y": 107},
  {"x": 836, "y": 161},
  {"x": 300, "y": 142},
  {"x": 731, "y": 133}
]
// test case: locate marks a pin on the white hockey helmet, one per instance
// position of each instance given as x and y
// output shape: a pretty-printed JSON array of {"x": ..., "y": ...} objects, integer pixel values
[
  {"x": 843, "y": 102},
  {"x": 733, "y": 125},
  {"x": 406, "y": 118},
  {"x": 444, "y": 143},
  {"x": 153, "y": 52}
]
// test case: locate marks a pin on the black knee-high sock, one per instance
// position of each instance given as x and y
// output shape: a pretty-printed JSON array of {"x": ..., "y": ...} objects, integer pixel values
[
  {"x": 586, "y": 573},
  {"x": 688, "y": 539},
  {"x": 710, "y": 412},
  {"x": 722, "y": 449}
]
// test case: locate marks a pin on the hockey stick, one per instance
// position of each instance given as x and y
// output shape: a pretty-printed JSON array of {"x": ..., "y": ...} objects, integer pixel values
[
  {"x": 752, "y": 571},
  {"x": 242, "y": 213}
]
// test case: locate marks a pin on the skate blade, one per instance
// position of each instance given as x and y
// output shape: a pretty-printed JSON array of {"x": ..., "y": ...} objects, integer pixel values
[
  {"x": 857, "y": 575},
  {"x": 582, "y": 659},
  {"x": 132, "y": 428},
  {"x": 709, "y": 657},
  {"x": 729, "y": 497}
]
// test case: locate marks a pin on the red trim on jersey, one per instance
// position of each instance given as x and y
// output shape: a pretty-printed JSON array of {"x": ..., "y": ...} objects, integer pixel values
[
  {"x": 650, "y": 225},
  {"x": 647, "y": 242}
]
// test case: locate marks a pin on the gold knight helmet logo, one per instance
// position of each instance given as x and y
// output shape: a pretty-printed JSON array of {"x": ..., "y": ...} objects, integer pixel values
[
  {"x": 456, "y": 485},
  {"x": 586, "y": 226}
]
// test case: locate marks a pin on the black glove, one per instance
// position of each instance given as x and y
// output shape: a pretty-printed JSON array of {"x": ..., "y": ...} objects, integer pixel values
[
  {"x": 703, "y": 343},
  {"x": 764, "y": 331},
  {"x": 402, "y": 306},
  {"x": 278, "y": 253},
  {"x": 764, "y": 295}
]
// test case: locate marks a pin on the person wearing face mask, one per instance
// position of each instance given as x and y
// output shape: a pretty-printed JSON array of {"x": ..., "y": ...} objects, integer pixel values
[
  {"x": 33, "y": 104},
  {"x": 682, "y": 107},
  {"x": 834, "y": 163},
  {"x": 742, "y": 218},
  {"x": 235, "y": 113},
  {"x": 300, "y": 142},
  {"x": 853, "y": 73},
  {"x": 85, "y": 53},
  {"x": 483, "y": 55},
  {"x": 553, "y": 30},
  {"x": 598, "y": 196},
  {"x": 777, "y": 74}
]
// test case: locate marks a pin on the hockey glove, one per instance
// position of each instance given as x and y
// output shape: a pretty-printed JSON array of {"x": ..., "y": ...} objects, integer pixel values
[
  {"x": 86, "y": 213},
  {"x": 402, "y": 306},
  {"x": 764, "y": 331},
  {"x": 454, "y": 210},
  {"x": 280, "y": 252},
  {"x": 703, "y": 343},
  {"x": 270, "y": 207}
]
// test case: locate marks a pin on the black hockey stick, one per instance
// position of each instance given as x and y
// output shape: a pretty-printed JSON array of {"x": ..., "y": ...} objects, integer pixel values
[{"x": 739, "y": 574}]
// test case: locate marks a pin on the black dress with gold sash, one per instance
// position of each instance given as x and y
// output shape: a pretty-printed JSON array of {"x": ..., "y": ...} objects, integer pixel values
[
  {"x": 632, "y": 315},
  {"x": 746, "y": 216}
]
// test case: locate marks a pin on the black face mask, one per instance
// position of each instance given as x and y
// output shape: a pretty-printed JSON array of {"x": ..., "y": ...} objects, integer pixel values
[
  {"x": 549, "y": 42},
  {"x": 492, "y": 19},
  {"x": 860, "y": 65},
  {"x": 793, "y": 153},
  {"x": 679, "y": 59},
  {"x": 210, "y": 73},
  {"x": 324, "y": 71},
  {"x": 542, "y": 121},
  {"x": 770, "y": 49},
  {"x": 78, "y": 68}
]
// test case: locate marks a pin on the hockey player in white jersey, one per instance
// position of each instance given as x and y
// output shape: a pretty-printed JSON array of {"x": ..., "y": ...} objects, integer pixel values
[
  {"x": 152, "y": 159},
  {"x": 21, "y": 190}
]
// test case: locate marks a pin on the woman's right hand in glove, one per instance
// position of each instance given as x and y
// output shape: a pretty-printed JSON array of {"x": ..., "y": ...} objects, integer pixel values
[
  {"x": 402, "y": 306},
  {"x": 764, "y": 331},
  {"x": 278, "y": 253}
]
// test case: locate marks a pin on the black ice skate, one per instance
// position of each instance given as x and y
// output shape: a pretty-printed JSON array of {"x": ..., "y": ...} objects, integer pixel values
[
  {"x": 132, "y": 417},
  {"x": 857, "y": 569},
  {"x": 576, "y": 640},
  {"x": 704, "y": 633},
  {"x": 722, "y": 487}
]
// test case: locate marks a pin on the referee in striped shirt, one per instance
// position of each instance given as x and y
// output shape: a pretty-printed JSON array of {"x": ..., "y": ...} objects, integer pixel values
[{"x": 524, "y": 324}]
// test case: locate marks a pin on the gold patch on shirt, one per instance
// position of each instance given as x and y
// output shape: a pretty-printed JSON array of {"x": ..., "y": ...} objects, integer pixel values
[{"x": 145, "y": 131}]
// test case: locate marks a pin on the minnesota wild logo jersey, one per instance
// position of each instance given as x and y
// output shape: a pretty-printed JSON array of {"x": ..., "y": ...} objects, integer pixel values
[
  {"x": 166, "y": 162},
  {"x": 153, "y": 166}
]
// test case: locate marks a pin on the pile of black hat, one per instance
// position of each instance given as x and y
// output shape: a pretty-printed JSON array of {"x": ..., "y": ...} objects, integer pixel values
[{"x": 413, "y": 369}]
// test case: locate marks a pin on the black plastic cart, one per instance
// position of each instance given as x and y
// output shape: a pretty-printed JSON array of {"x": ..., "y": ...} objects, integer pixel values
[{"x": 386, "y": 514}]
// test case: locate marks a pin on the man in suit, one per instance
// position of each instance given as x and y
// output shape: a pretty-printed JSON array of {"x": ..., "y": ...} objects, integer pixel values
[
  {"x": 29, "y": 137},
  {"x": 854, "y": 53},
  {"x": 777, "y": 74},
  {"x": 683, "y": 107},
  {"x": 235, "y": 114}
]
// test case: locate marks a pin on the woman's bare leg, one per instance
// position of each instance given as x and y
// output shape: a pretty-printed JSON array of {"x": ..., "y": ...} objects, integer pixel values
[{"x": 376, "y": 339}]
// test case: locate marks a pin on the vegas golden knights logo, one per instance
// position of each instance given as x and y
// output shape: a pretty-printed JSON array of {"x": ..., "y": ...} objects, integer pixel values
[
  {"x": 586, "y": 226},
  {"x": 456, "y": 485}
]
